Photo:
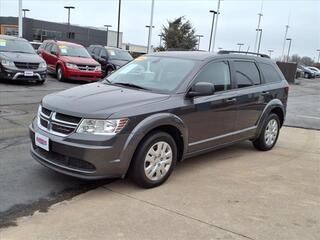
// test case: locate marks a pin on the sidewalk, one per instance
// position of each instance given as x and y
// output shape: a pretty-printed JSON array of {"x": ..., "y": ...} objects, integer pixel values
[{"x": 234, "y": 193}]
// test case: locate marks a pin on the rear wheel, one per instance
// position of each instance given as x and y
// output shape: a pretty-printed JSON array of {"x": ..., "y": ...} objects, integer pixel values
[
  {"x": 60, "y": 74},
  {"x": 269, "y": 134},
  {"x": 154, "y": 160},
  {"x": 40, "y": 82}
]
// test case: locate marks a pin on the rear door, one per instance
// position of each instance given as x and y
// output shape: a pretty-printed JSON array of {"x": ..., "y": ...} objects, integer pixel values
[
  {"x": 45, "y": 54},
  {"x": 250, "y": 94}
]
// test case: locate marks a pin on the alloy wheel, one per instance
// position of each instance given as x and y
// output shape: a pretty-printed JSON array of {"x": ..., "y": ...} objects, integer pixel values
[{"x": 271, "y": 132}]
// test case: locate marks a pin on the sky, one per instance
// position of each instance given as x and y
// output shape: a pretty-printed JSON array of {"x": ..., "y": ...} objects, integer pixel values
[{"x": 237, "y": 21}]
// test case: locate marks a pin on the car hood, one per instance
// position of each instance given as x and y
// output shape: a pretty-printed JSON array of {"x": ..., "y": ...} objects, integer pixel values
[
  {"x": 79, "y": 60},
  {"x": 21, "y": 57},
  {"x": 98, "y": 100},
  {"x": 118, "y": 62}
]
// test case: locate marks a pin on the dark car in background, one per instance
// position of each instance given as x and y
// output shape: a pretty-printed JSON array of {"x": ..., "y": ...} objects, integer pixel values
[
  {"x": 19, "y": 61},
  {"x": 110, "y": 58},
  {"x": 69, "y": 61},
  {"x": 307, "y": 73},
  {"x": 159, "y": 109}
]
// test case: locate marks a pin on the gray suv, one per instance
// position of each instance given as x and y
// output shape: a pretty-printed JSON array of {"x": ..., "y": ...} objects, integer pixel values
[
  {"x": 159, "y": 109},
  {"x": 19, "y": 61}
]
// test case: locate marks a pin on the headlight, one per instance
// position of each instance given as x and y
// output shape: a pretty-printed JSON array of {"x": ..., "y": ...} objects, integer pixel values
[
  {"x": 72, "y": 65},
  {"x": 98, "y": 68},
  {"x": 7, "y": 63},
  {"x": 102, "y": 127},
  {"x": 43, "y": 65}
]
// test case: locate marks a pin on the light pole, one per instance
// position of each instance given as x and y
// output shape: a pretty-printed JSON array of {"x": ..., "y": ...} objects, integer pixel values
[
  {"x": 284, "y": 42},
  {"x": 240, "y": 44},
  {"x": 150, "y": 28},
  {"x": 258, "y": 27},
  {"x": 270, "y": 52},
  {"x": 24, "y": 11},
  {"x": 69, "y": 8},
  {"x": 215, "y": 26},
  {"x": 107, "y": 26},
  {"x": 149, "y": 40},
  {"x": 213, "y": 15},
  {"x": 199, "y": 36},
  {"x": 318, "y": 50},
  {"x": 20, "y": 19},
  {"x": 118, "y": 31},
  {"x": 260, "y": 36},
  {"x": 290, "y": 40}
]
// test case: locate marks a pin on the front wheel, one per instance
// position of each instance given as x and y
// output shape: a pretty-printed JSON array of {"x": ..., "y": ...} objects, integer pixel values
[
  {"x": 154, "y": 160},
  {"x": 60, "y": 74},
  {"x": 269, "y": 134}
]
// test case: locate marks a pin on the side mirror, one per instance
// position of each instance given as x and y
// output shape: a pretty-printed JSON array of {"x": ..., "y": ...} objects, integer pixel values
[{"x": 201, "y": 89}]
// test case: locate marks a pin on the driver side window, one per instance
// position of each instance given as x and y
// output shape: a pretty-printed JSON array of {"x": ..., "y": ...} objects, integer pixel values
[{"x": 217, "y": 73}]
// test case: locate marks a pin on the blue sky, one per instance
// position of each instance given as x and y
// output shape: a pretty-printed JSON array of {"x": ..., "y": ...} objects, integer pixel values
[{"x": 237, "y": 22}]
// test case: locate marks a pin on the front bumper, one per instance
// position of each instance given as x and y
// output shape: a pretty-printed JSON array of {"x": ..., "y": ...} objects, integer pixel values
[
  {"x": 19, "y": 74},
  {"x": 83, "y": 75},
  {"x": 82, "y": 158}
]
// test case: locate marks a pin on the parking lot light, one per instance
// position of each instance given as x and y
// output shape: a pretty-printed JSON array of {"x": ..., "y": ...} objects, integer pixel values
[
  {"x": 24, "y": 11},
  {"x": 270, "y": 52},
  {"x": 199, "y": 36},
  {"x": 290, "y": 40},
  {"x": 118, "y": 31},
  {"x": 240, "y": 45},
  {"x": 318, "y": 50},
  {"x": 69, "y": 8},
  {"x": 213, "y": 15}
]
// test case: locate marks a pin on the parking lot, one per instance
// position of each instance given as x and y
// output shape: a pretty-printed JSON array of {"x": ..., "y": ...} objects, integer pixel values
[{"x": 241, "y": 185}]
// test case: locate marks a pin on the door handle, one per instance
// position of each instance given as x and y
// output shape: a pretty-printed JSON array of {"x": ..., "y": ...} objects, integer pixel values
[
  {"x": 265, "y": 93},
  {"x": 231, "y": 100}
]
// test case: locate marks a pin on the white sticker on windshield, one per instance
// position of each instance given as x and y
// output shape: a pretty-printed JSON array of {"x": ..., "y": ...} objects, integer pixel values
[
  {"x": 111, "y": 52},
  {"x": 63, "y": 50},
  {"x": 3, "y": 43}
]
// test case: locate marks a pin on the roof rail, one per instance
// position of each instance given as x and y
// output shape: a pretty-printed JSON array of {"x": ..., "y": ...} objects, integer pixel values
[{"x": 243, "y": 52}]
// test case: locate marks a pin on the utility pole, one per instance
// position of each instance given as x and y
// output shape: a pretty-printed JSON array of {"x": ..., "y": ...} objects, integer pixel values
[
  {"x": 20, "y": 33},
  {"x": 150, "y": 28},
  {"x": 213, "y": 15},
  {"x": 258, "y": 27},
  {"x": 118, "y": 32},
  {"x": 215, "y": 26},
  {"x": 240, "y": 45},
  {"x": 284, "y": 42}
]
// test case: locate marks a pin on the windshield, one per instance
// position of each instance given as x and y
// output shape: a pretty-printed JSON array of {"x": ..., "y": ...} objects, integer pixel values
[
  {"x": 160, "y": 74},
  {"x": 116, "y": 54},
  {"x": 15, "y": 45},
  {"x": 74, "y": 51}
]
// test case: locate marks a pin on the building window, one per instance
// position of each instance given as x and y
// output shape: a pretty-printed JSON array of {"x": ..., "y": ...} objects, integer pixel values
[
  {"x": 11, "y": 30},
  {"x": 42, "y": 34},
  {"x": 71, "y": 35}
]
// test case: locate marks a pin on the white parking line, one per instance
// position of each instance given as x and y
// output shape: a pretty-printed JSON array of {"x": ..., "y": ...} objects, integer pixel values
[{"x": 311, "y": 117}]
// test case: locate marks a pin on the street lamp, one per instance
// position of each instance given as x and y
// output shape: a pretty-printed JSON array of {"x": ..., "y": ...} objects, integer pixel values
[
  {"x": 318, "y": 50},
  {"x": 118, "y": 31},
  {"x": 199, "y": 36},
  {"x": 284, "y": 42},
  {"x": 69, "y": 8},
  {"x": 213, "y": 15},
  {"x": 270, "y": 52},
  {"x": 24, "y": 11},
  {"x": 290, "y": 40},
  {"x": 259, "y": 43},
  {"x": 151, "y": 24},
  {"x": 107, "y": 26},
  {"x": 215, "y": 26},
  {"x": 149, "y": 40},
  {"x": 240, "y": 45}
]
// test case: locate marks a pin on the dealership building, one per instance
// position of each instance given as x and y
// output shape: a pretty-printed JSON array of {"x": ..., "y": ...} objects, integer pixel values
[{"x": 38, "y": 30}]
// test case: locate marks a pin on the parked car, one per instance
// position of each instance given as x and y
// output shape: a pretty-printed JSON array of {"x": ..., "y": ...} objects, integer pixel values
[
  {"x": 315, "y": 70},
  {"x": 19, "y": 61},
  {"x": 159, "y": 109},
  {"x": 307, "y": 73},
  {"x": 69, "y": 61},
  {"x": 110, "y": 58},
  {"x": 35, "y": 45}
]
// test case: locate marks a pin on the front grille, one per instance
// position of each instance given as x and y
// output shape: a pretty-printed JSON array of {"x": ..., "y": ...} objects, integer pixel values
[
  {"x": 65, "y": 161},
  {"x": 86, "y": 67},
  {"x": 24, "y": 65},
  {"x": 57, "y": 123}
]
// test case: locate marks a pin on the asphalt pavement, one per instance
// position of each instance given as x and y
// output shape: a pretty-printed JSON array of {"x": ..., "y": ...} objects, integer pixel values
[{"x": 26, "y": 186}]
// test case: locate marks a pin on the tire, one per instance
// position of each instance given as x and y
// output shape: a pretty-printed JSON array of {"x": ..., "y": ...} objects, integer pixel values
[
  {"x": 40, "y": 82},
  {"x": 60, "y": 74},
  {"x": 268, "y": 137},
  {"x": 148, "y": 159},
  {"x": 108, "y": 71}
]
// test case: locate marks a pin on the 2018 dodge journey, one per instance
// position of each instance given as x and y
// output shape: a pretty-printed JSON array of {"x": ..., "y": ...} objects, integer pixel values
[{"x": 159, "y": 109}]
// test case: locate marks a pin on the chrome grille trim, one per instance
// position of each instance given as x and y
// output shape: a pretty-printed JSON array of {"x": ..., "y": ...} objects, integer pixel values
[{"x": 51, "y": 120}]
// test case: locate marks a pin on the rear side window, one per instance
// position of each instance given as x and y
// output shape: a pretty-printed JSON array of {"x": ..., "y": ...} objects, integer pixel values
[
  {"x": 96, "y": 51},
  {"x": 218, "y": 74},
  {"x": 48, "y": 47},
  {"x": 269, "y": 73},
  {"x": 247, "y": 74}
]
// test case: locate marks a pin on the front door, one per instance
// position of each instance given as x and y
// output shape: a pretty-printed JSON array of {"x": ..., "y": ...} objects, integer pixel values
[{"x": 211, "y": 119}]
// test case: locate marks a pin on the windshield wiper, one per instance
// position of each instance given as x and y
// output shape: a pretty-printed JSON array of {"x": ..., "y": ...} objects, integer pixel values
[{"x": 131, "y": 85}]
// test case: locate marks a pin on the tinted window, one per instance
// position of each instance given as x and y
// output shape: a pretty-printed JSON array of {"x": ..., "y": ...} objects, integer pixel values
[
  {"x": 96, "y": 51},
  {"x": 269, "y": 73},
  {"x": 54, "y": 48},
  {"x": 247, "y": 74},
  {"x": 15, "y": 45},
  {"x": 103, "y": 53},
  {"x": 118, "y": 54},
  {"x": 74, "y": 51},
  {"x": 217, "y": 73}
]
